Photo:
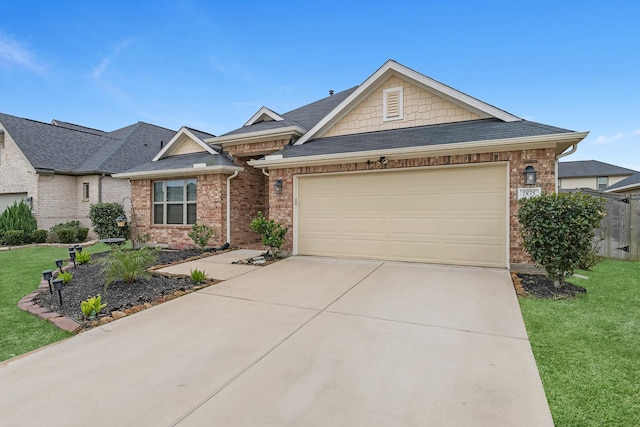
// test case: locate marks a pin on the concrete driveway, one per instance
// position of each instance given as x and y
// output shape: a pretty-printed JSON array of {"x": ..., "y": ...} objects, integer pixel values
[{"x": 306, "y": 341}]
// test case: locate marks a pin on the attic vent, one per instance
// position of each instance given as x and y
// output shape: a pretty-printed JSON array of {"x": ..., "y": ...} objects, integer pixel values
[{"x": 392, "y": 103}]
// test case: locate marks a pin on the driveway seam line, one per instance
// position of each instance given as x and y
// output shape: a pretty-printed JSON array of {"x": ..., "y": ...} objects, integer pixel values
[
  {"x": 261, "y": 301},
  {"x": 259, "y": 359},
  {"x": 428, "y": 325}
]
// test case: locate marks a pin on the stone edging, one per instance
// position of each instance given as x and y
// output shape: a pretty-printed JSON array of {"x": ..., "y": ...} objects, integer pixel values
[{"x": 68, "y": 324}]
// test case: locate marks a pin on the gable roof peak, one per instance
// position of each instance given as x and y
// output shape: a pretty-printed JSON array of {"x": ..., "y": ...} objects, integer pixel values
[
  {"x": 390, "y": 68},
  {"x": 264, "y": 114}
]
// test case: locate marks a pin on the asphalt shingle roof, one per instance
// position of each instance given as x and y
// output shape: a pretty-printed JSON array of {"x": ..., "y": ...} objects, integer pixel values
[
  {"x": 74, "y": 126},
  {"x": 74, "y": 150},
  {"x": 304, "y": 117},
  {"x": 584, "y": 168},
  {"x": 631, "y": 180},
  {"x": 440, "y": 134},
  {"x": 184, "y": 161}
]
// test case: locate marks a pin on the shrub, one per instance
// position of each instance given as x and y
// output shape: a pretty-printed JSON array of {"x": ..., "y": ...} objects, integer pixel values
[
  {"x": 198, "y": 276},
  {"x": 128, "y": 265},
  {"x": 103, "y": 219},
  {"x": 18, "y": 217},
  {"x": 558, "y": 230},
  {"x": 272, "y": 233},
  {"x": 14, "y": 237},
  {"x": 91, "y": 307},
  {"x": 83, "y": 232},
  {"x": 200, "y": 234},
  {"x": 67, "y": 235},
  {"x": 65, "y": 276},
  {"x": 39, "y": 236},
  {"x": 83, "y": 257}
]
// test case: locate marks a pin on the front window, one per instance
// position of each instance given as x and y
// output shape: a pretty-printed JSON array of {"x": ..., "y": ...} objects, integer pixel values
[
  {"x": 174, "y": 202},
  {"x": 603, "y": 182}
]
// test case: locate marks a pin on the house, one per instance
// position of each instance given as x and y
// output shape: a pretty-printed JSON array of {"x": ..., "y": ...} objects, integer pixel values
[
  {"x": 401, "y": 167},
  {"x": 61, "y": 168},
  {"x": 628, "y": 186},
  {"x": 590, "y": 174}
]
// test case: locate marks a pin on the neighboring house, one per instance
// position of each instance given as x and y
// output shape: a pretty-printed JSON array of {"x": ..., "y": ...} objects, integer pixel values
[
  {"x": 401, "y": 167},
  {"x": 590, "y": 174},
  {"x": 628, "y": 186},
  {"x": 61, "y": 168}
]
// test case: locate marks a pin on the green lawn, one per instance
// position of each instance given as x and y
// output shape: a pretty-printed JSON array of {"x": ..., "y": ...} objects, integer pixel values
[
  {"x": 20, "y": 273},
  {"x": 588, "y": 348}
]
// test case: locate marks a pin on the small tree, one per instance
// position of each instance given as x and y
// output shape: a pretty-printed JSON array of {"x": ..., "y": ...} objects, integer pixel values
[
  {"x": 18, "y": 217},
  {"x": 272, "y": 233},
  {"x": 103, "y": 219},
  {"x": 200, "y": 234},
  {"x": 558, "y": 230}
]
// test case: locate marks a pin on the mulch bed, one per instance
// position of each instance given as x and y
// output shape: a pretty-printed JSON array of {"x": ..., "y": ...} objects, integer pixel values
[
  {"x": 542, "y": 287},
  {"x": 88, "y": 281}
]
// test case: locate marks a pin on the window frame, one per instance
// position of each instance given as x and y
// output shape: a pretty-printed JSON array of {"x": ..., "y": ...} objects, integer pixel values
[
  {"x": 186, "y": 203},
  {"x": 606, "y": 182},
  {"x": 85, "y": 191}
]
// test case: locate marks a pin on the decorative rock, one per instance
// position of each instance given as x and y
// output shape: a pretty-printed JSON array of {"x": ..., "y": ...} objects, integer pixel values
[
  {"x": 94, "y": 323},
  {"x": 147, "y": 305},
  {"x": 106, "y": 320},
  {"x": 136, "y": 309},
  {"x": 118, "y": 315},
  {"x": 260, "y": 261},
  {"x": 179, "y": 293},
  {"x": 128, "y": 312},
  {"x": 169, "y": 297}
]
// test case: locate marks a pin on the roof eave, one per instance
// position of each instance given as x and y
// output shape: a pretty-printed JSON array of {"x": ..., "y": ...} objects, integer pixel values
[
  {"x": 167, "y": 173},
  {"x": 496, "y": 145},
  {"x": 265, "y": 135}
]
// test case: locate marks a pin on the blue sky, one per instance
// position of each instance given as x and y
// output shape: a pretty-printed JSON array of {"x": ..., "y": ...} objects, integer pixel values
[{"x": 211, "y": 65}]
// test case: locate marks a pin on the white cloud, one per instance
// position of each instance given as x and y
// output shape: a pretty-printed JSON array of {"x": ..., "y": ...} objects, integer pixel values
[
  {"x": 608, "y": 139},
  {"x": 13, "y": 52},
  {"x": 100, "y": 70}
]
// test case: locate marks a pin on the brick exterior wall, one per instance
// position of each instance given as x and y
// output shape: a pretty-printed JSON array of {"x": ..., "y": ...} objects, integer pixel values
[
  {"x": 420, "y": 108},
  {"x": 211, "y": 211},
  {"x": 543, "y": 160}
]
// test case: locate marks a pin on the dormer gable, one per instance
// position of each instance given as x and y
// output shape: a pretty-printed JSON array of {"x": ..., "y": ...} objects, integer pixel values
[
  {"x": 264, "y": 115},
  {"x": 184, "y": 142}
]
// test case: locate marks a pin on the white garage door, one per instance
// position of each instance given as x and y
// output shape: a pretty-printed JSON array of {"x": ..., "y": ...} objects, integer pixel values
[
  {"x": 9, "y": 199},
  {"x": 450, "y": 215}
]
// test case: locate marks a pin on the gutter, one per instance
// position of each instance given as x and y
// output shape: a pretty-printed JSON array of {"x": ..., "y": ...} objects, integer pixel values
[
  {"x": 528, "y": 142},
  {"x": 229, "y": 178},
  {"x": 263, "y": 135},
  {"x": 191, "y": 171}
]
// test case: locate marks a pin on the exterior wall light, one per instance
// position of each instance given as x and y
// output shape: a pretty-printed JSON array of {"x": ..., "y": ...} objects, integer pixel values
[
  {"x": 277, "y": 186},
  {"x": 47, "y": 275},
  {"x": 530, "y": 177},
  {"x": 121, "y": 221}
]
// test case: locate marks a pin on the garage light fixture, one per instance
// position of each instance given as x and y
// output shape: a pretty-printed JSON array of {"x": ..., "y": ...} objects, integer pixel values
[
  {"x": 277, "y": 186},
  {"x": 530, "y": 175}
]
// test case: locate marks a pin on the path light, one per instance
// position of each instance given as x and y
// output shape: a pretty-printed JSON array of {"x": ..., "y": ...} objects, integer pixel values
[
  {"x": 57, "y": 285},
  {"x": 72, "y": 255},
  {"x": 78, "y": 248},
  {"x": 59, "y": 264},
  {"x": 530, "y": 175},
  {"x": 121, "y": 221},
  {"x": 47, "y": 275}
]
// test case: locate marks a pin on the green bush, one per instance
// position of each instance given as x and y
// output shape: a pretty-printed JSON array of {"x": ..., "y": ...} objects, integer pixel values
[
  {"x": 83, "y": 257},
  {"x": 558, "y": 230},
  {"x": 272, "y": 233},
  {"x": 14, "y": 237},
  {"x": 83, "y": 232},
  {"x": 128, "y": 265},
  {"x": 91, "y": 307},
  {"x": 39, "y": 236},
  {"x": 198, "y": 276},
  {"x": 67, "y": 235},
  {"x": 200, "y": 234},
  {"x": 103, "y": 219},
  {"x": 18, "y": 217}
]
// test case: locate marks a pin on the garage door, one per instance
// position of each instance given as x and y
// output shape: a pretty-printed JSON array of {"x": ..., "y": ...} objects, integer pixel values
[
  {"x": 451, "y": 215},
  {"x": 9, "y": 199}
]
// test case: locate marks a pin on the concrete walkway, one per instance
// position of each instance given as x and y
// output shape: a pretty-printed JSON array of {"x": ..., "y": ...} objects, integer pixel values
[
  {"x": 218, "y": 266},
  {"x": 305, "y": 341}
]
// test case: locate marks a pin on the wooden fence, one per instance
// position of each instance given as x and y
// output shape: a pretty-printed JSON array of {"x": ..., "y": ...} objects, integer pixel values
[{"x": 620, "y": 228}]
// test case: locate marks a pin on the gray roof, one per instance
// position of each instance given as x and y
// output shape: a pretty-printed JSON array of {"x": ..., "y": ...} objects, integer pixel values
[
  {"x": 74, "y": 126},
  {"x": 200, "y": 134},
  {"x": 586, "y": 168},
  {"x": 304, "y": 117},
  {"x": 440, "y": 134},
  {"x": 184, "y": 161},
  {"x": 633, "y": 180},
  {"x": 75, "y": 151}
]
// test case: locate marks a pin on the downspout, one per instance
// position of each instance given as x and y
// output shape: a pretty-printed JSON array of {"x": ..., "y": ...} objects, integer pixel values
[
  {"x": 574, "y": 147},
  {"x": 265, "y": 172},
  {"x": 235, "y": 174},
  {"x": 100, "y": 188}
]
